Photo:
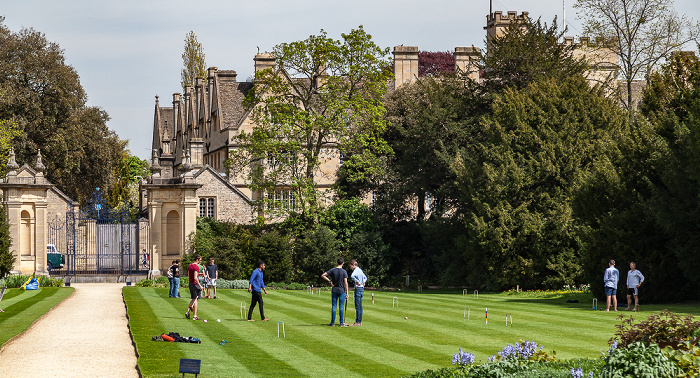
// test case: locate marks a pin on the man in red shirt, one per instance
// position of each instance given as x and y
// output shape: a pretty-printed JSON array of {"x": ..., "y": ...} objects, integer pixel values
[{"x": 195, "y": 288}]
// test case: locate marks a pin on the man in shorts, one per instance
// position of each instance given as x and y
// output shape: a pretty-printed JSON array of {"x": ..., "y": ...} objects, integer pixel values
[
  {"x": 611, "y": 278},
  {"x": 195, "y": 286},
  {"x": 212, "y": 272},
  {"x": 634, "y": 280}
]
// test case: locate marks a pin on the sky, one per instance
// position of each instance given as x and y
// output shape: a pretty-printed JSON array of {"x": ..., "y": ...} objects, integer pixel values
[{"x": 127, "y": 52}]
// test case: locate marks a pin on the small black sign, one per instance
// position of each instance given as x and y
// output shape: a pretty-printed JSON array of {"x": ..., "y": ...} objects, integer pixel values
[{"x": 189, "y": 366}]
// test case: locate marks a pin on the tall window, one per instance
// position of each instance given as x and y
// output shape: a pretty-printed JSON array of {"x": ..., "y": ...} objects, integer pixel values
[{"x": 207, "y": 207}]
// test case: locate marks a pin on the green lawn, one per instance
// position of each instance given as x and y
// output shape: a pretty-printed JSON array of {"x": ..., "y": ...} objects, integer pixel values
[
  {"x": 22, "y": 308},
  {"x": 386, "y": 345}
]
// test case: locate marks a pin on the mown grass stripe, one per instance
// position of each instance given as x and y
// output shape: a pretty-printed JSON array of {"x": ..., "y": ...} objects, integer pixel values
[
  {"x": 26, "y": 308},
  {"x": 211, "y": 332}
]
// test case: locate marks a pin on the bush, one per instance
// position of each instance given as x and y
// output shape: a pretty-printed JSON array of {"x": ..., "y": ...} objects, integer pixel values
[
  {"x": 687, "y": 358},
  {"x": 145, "y": 283},
  {"x": 44, "y": 281},
  {"x": 231, "y": 284},
  {"x": 665, "y": 329},
  {"x": 638, "y": 360}
]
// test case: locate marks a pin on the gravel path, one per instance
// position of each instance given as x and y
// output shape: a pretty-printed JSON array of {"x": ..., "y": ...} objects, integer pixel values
[{"x": 86, "y": 335}]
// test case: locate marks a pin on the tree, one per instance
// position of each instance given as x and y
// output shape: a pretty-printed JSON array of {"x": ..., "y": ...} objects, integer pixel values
[
  {"x": 193, "y": 62},
  {"x": 127, "y": 174},
  {"x": 43, "y": 96},
  {"x": 435, "y": 63},
  {"x": 323, "y": 98},
  {"x": 641, "y": 32},
  {"x": 526, "y": 53},
  {"x": 7, "y": 260},
  {"x": 431, "y": 120},
  {"x": 517, "y": 186}
]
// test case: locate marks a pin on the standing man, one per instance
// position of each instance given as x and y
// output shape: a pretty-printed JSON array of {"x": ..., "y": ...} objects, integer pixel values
[
  {"x": 176, "y": 278},
  {"x": 610, "y": 278},
  {"x": 338, "y": 277},
  {"x": 173, "y": 272},
  {"x": 254, "y": 286},
  {"x": 195, "y": 286},
  {"x": 213, "y": 275},
  {"x": 360, "y": 279},
  {"x": 202, "y": 279},
  {"x": 634, "y": 280}
]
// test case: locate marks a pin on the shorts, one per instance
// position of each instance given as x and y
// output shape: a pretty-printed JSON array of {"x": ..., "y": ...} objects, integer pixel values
[
  {"x": 194, "y": 291},
  {"x": 632, "y": 291},
  {"x": 610, "y": 291},
  {"x": 212, "y": 282}
]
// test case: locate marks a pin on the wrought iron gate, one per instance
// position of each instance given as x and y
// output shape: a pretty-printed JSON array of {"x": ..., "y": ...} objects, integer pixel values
[{"x": 100, "y": 240}]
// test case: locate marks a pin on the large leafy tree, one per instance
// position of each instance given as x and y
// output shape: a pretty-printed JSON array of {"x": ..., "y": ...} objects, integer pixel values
[
  {"x": 6, "y": 258},
  {"x": 527, "y": 52},
  {"x": 127, "y": 174},
  {"x": 641, "y": 32},
  {"x": 193, "y": 62},
  {"x": 671, "y": 102},
  {"x": 517, "y": 186},
  {"x": 322, "y": 98},
  {"x": 43, "y": 95},
  {"x": 431, "y": 120}
]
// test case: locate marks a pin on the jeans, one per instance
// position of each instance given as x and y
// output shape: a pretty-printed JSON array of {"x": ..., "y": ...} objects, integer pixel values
[
  {"x": 335, "y": 297},
  {"x": 174, "y": 287},
  {"x": 256, "y": 297},
  {"x": 359, "y": 292}
]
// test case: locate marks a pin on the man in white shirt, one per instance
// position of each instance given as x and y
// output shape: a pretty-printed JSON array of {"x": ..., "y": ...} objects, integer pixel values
[
  {"x": 634, "y": 280},
  {"x": 360, "y": 280}
]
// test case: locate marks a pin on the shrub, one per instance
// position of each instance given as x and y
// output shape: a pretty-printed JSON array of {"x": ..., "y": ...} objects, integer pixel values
[
  {"x": 145, "y": 283},
  {"x": 665, "y": 329},
  {"x": 638, "y": 360},
  {"x": 687, "y": 358},
  {"x": 44, "y": 281},
  {"x": 231, "y": 284}
]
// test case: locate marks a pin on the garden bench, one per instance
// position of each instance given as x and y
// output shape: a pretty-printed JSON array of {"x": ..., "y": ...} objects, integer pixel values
[{"x": 2, "y": 292}]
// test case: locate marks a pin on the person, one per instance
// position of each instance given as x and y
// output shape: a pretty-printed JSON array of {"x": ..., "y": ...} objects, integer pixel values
[
  {"x": 610, "y": 278},
  {"x": 212, "y": 275},
  {"x": 146, "y": 258},
  {"x": 174, "y": 278},
  {"x": 256, "y": 284},
  {"x": 360, "y": 279},
  {"x": 338, "y": 277},
  {"x": 634, "y": 280},
  {"x": 202, "y": 280},
  {"x": 195, "y": 287}
]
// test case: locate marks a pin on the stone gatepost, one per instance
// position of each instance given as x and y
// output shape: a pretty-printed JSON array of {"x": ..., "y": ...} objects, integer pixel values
[
  {"x": 25, "y": 197},
  {"x": 172, "y": 211}
]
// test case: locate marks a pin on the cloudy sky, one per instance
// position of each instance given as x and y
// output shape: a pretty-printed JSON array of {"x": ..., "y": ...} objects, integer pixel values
[{"x": 128, "y": 51}]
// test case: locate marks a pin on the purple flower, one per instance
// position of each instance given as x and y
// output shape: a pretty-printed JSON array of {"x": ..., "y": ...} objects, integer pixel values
[
  {"x": 461, "y": 358},
  {"x": 577, "y": 373}
]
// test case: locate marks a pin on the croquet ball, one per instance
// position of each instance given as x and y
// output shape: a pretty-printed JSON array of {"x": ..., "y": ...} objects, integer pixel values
[
  {"x": 405, "y": 317},
  {"x": 594, "y": 308},
  {"x": 205, "y": 320},
  {"x": 218, "y": 320}
]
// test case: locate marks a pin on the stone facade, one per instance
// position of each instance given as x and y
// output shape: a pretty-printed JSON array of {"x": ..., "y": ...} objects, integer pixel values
[{"x": 31, "y": 203}]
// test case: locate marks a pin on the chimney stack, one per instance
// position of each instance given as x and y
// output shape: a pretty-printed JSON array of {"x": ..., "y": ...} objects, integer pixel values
[
  {"x": 405, "y": 65},
  {"x": 264, "y": 61}
]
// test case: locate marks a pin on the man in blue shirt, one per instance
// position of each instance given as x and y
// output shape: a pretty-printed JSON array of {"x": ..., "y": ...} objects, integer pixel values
[
  {"x": 610, "y": 278},
  {"x": 360, "y": 280},
  {"x": 338, "y": 277},
  {"x": 255, "y": 285}
]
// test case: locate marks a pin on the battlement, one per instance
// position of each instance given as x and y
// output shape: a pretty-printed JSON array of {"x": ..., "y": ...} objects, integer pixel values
[
  {"x": 498, "y": 19},
  {"x": 587, "y": 42}
]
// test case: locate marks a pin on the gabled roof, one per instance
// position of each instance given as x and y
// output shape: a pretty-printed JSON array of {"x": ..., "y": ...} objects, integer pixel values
[
  {"x": 207, "y": 168},
  {"x": 228, "y": 98}
]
